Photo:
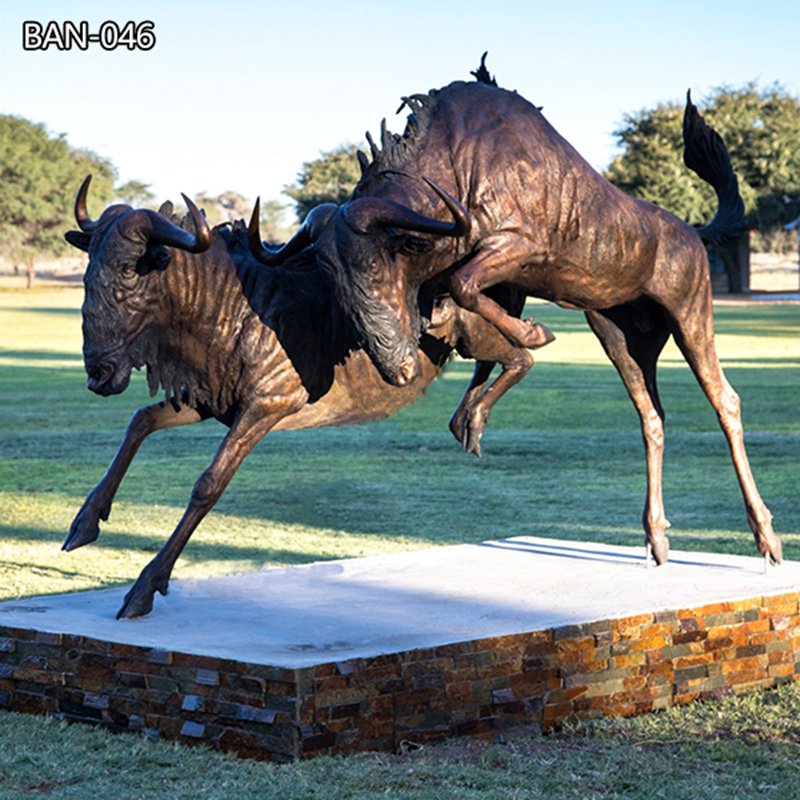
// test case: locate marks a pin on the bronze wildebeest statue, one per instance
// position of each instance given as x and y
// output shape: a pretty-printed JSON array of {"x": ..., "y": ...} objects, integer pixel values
[
  {"x": 256, "y": 349},
  {"x": 480, "y": 190}
]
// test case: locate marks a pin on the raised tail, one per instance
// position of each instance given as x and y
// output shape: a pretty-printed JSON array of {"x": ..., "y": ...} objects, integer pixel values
[{"x": 705, "y": 154}]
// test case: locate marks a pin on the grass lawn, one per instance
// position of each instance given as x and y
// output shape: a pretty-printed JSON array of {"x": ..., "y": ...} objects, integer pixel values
[{"x": 562, "y": 458}]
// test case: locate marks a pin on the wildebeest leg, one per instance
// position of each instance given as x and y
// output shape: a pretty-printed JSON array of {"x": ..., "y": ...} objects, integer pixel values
[
  {"x": 463, "y": 421},
  {"x": 634, "y": 352},
  {"x": 85, "y": 527},
  {"x": 472, "y": 415},
  {"x": 247, "y": 430},
  {"x": 498, "y": 259},
  {"x": 482, "y": 341},
  {"x": 695, "y": 336}
]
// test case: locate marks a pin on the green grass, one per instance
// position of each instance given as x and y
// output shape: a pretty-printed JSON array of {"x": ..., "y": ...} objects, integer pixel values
[
  {"x": 737, "y": 749},
  {"x": 562, "y": 458}
]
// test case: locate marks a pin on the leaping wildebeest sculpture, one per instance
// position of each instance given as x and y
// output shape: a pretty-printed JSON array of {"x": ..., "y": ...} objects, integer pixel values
[
  {"x": 479, "y": 190},
  {"x": 256, "y": 349}
]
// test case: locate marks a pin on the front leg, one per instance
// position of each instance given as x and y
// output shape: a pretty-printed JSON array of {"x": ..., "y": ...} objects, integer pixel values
[
  {"x": 463, "y": 424},
  {"x": 473, "y": 412},
  {"x": 247, "y": 430},
  {"x": 498, "y": 259},
  {"x": 85, "y": 527},
  {"x": 482, "y": 341}
]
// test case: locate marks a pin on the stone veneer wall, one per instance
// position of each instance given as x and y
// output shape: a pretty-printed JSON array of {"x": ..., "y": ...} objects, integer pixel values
[{"x": 611, "y": 667}]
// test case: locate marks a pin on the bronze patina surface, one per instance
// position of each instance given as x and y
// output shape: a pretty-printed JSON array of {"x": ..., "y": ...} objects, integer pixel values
[
  {"x": 481, "y": 190},
  {"x": 256, "y": 349}
]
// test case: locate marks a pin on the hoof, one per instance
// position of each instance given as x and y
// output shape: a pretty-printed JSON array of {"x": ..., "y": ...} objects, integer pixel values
[
  {"x": 139, "y": 600},
  {"x": 457, "y": 426},
  {"x": 773, "y": 551},
  {"x": 660, "y": 550},
  {"x": 85, "y": 529},
  {"x": 537, "y": 335},
  {"x": 473, "y": 445},
  {"x": 135, "y": 605},
  {"x": 468, "y": 428},
  {"x": 767, "y": 542}
]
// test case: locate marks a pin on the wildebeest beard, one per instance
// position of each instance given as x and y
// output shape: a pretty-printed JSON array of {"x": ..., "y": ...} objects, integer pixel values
[{"x": 377, "y": 325}]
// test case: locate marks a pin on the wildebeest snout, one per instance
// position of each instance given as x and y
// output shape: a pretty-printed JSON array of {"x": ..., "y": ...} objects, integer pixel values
[
  {"x": 105, "y": 378},
  {"x": 100, "y": 377},
  {"x": 407, "y": 371}
]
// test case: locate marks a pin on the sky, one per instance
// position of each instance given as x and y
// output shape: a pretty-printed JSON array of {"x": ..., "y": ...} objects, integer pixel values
[{"x": 238, "y": 95}]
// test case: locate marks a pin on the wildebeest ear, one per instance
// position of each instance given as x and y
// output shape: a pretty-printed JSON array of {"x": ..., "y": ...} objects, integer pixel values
[
  {"x": 79, "y": 239},
  {"x": 154, "y": 258}
]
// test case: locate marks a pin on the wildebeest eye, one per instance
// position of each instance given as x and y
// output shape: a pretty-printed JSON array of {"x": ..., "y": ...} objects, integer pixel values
[
  {"x": 374, "y": 267},
  {"x": 119, "y": 295},
  {"x": 412, "y": 246}
]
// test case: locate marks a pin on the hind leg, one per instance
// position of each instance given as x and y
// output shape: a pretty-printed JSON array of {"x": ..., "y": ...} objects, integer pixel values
[
  {"x": 694, "y": 334},
  {"x": 634, "y": 352},
  {"x": 475, "y": 338}
]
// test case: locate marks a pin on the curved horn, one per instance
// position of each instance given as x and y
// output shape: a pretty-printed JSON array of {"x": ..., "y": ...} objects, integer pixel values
[
  {"x": 307, "y": 234},
  {"x": 370, "y": 212},
  {"x": 462, "y": 219},
  {"x": 85, "y": 222},
  {"x": 152, "y": 226},
  {"x": 202, "y": 231}
]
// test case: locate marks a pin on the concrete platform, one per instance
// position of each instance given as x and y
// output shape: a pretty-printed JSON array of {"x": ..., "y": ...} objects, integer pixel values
[
  {"x": 505, "y": 618},
  {"x": 338, "y": 610}
]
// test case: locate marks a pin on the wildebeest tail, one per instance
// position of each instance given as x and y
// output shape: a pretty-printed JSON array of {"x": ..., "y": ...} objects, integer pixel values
[{"x": 705, "y": 154}]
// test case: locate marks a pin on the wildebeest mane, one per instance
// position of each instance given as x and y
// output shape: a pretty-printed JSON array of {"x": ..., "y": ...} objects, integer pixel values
[
  {"x": 302, "y": 294},
  {"x": 296, "y": 300},
  {"x": 395, "y": 150}
]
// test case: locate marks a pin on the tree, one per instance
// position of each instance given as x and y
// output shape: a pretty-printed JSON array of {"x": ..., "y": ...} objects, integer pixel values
[
  {"x": 330, "y": 178},
  {"x": 223, "y": 207},
  {"x": 39, "y": 175},
  {"x": 761, "y": 129},
  {"x": 135, "y": 193},
  {"x": 229, "y": 206},
  {"x": 273, "y": 222}
]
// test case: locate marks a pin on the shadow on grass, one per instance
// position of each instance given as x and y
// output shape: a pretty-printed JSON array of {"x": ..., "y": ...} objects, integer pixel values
[
  {"x": 10, "y": 566},
  {"x": 40, "y": 355},
  {"x": 563, "y": 458},
  {"x": 62, "y": 310}
]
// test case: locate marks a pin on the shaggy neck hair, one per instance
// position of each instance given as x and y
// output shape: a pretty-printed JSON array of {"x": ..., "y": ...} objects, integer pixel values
[{"x": 396, "y": 151}]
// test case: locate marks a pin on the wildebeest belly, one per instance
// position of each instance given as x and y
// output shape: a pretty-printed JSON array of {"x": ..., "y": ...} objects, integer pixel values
[
  {"x": 358, "y": 394},
  {"x": 573, "y": 287}
]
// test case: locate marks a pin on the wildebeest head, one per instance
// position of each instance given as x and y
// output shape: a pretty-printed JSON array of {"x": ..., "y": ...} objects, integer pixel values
[
  {"x": 366, "y": 246},
  {"x": 125, "y": 246}
]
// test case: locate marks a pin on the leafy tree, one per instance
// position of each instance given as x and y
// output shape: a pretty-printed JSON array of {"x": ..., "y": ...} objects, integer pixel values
[
  {"x": 761, "y": 129},
  {"x": 39, "y": 175},
  {"x": 273, "y": 223},
  {"x": 330, "y": 178},
  {"x": 135, "y": 193},
  {"x": 229, "y": 206},
  {"x": 223, "y": 207}
]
